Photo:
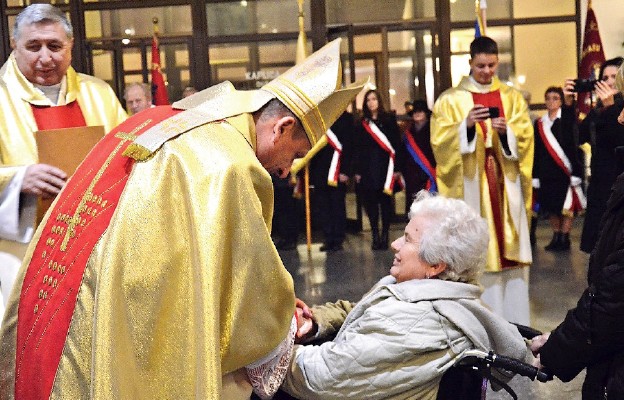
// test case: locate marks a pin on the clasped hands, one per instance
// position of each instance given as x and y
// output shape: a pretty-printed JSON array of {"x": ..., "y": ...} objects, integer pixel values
[
  {"x": 306, "y": 327},
  {"x": 480, "y": 113}
]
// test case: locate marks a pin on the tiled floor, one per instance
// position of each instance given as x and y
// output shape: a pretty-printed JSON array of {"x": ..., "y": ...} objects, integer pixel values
[{"x": 556, "y": 282}]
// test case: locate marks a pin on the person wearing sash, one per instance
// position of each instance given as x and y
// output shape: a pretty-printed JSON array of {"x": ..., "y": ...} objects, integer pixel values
[
  {"x": 39, "y": 90},
  {"x": 154, "y": 275},
  {"x": 376, "y": 165},
  {"x": 487, "y": 160},
  {"x": 330, "y": 170},
  {"x": 557, "y": 170},
  {"x": 419, "y": 164}
]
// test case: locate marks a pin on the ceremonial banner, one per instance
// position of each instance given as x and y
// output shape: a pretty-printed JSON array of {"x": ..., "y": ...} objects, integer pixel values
[
  {"x": 592, "y": 57},
  {"x": 65, "y": 149}
]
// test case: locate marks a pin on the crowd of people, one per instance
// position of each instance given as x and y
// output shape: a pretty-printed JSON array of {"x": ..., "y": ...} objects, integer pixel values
[{"x": 157, "y": 255}]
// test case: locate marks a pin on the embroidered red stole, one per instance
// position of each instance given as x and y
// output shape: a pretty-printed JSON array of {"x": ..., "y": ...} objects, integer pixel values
[
  {"x": 57, "y": 117},
  {"x": 55, "y": 271},
  {"x": 383, "y": 142},
  {"x": 575, "y": 200},
  {"x": 493, "y": 174}
]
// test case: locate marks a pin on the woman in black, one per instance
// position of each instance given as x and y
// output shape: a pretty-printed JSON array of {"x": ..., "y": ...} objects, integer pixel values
[
  {"x": 557, "y": 170},
  {"x": 601, "y": 129},
  {"x": 377, "y": 142}
]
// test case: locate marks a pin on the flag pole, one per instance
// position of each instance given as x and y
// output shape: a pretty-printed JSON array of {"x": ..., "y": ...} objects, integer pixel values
[
  {"x": 480, "y": 7},
  {"x": 159, "y": 90},
  {"x": 300, "y": 56}
]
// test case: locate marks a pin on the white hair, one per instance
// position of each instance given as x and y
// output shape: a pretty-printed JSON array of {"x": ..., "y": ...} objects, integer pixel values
[
  {"x": 456, "y": 236},
  {"x": 41, "y": 13}
]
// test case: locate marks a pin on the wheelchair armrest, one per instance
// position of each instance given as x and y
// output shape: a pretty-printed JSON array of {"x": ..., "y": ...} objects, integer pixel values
[{"x": 481, "y": 360}]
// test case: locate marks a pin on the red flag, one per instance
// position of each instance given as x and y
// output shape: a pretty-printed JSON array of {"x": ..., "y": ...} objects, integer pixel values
[
  {"x": 159, "y": 90},
  {"x": 592, "y": 57}
]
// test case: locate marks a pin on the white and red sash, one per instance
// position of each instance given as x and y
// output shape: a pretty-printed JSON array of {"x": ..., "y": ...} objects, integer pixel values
[
  {"x": 384, "y": 143},
  {"x": 334, "y": 166},
  {"x": 575, "y": 199}
]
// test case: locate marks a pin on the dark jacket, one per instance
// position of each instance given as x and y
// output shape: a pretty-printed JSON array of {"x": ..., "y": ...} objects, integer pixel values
[
  {"x": 371, "y": 161},
  {"x": 591, "y": 336},
  {"x": 344, "y": 129},
  {"x": 603, "y": 132}
]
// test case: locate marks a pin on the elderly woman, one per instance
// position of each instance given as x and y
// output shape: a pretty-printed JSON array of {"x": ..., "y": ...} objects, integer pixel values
[{"x": 401, "y": 337}]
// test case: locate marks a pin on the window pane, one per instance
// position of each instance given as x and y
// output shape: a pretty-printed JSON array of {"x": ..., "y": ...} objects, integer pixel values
[
  {"x": 174, "y": 64},
  {"x": 132, "y": 60},
  {"x": 354, "y": 11},
  {"x": 363, "y": 69},
  {"x": 367, "y": 43},
  {"x": 541, "y": 8},
  {"x": 558, "y": 61},
  {"x": 280, "y": 52},
  {"x": 103, "y": 65},
  {"x": 244, "y": 17},
  {"x": 251, "y": 65},
  {"x": 404, "y": 70},
  {"x": 464, "y": 10},
  {"x": 138, "y": 22}
]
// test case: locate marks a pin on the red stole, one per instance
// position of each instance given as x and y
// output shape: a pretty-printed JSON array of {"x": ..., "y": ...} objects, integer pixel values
[
  {"x": 57, "y": 117},
  {"x": 493, "y": 174},
  {"x": 55, "y": 271}
]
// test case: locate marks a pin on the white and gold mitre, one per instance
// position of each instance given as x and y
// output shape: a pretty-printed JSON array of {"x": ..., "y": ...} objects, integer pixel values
[{"x": 312, "y": 90}]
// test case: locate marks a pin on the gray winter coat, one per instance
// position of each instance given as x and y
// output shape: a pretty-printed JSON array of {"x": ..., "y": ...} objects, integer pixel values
[{"x": 397, "y": 341}]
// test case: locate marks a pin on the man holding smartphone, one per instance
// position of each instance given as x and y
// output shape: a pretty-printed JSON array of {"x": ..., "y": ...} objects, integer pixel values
[{"x": 482, "y": 138}]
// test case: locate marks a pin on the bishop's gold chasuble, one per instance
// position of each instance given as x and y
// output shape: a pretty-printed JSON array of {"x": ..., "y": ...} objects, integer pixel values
[{"x": 153, "y": 278}]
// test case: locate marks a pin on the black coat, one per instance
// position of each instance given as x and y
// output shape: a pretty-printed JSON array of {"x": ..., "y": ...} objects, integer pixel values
[
  {"x": 370, "y": 160},
  {"x": 591, "y": 336},
  {"x": 603, "y": 132},
  {"x": 344, "y": 128},
  {"x": 554, "y": 182},
  {"x": 415, "y": 177}
]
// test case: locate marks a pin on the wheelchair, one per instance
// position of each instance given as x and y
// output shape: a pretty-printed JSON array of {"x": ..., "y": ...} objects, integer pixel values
[{"x": 471, "y": 373}]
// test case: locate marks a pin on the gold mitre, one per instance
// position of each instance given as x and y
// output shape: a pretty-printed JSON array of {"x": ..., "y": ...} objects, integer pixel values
[{"x": 312, "y": 90}]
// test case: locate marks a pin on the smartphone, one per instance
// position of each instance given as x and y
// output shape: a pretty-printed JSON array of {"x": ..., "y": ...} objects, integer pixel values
[{"x": 494, "y": 112}]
